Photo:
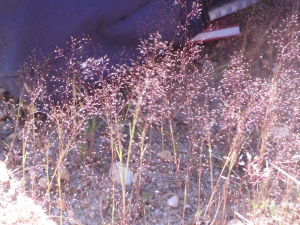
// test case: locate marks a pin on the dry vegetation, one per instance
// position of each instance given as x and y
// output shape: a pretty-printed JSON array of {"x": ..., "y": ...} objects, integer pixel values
[{"x": 224, "y": 140}]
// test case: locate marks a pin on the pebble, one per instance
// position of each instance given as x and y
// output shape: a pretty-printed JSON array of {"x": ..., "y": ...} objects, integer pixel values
[
  {"x": 3, "y": 173},
  {"x": 65, "y": 174},
  {"x": 280, "y": 132},
  {"x": 234, "y": 222},
  {"x": 173, "y": 202},
  {"x": 8, "y": 126},
  {"x": 43, "y": 182},
  {"x": 55, "y": 211},
  {"x": 154, "y": 220},
  {"x": 2, "y": 123},
  {"x": 116, "y": 176},
  {"x": 153, "y": 168},
  {"x": 165, "y": 155},
  {"x": 11, "y": 136},
  {"x": 121, "y": 128},
  {"x": 3, "y": 115},
  {"x": 61, "y": 203},
  {"x": 296, "y": 157}
]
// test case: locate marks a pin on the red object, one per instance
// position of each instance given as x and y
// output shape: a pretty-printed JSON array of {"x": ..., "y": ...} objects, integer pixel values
[{"x": 224, "y": 27}]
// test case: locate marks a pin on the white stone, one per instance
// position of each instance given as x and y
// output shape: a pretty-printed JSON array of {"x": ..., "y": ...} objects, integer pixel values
[
  {"x": 118, "y": 172},
  {"x": 234, "y": 222},
  {"x": 296, "y": 157},
  {"x": 43, "y": 183},
  {"x": 280, "y": 132},
  {"x": 3, "y": 173},
  {"x": 173, "y": 202}
]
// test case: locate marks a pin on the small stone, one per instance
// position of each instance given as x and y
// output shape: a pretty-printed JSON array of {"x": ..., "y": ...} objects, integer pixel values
[
  {"x": 8, "y": 126},
  {"x": 165, "y": 155},
  {"x": 234, "y": 222},
  {"x": 65, "y": 174},
  {"x": 43, "y": 182},
  {"x": 187, "y": 206},
  {"x": 296, "y": 157},
  {"x": 118, "y": 172},
  {"x": 173, "y": 202},
  {"x": 11, "y": 136},
  {"x": 121, "y": 128},
  {"x": 3, "y": 173},
  {"x": 3, "y": 115},
  {"x": 153, "y": 168},
  {"x": 154, "y": 220},
  {"x": 61, "y": 203},
  {"x": 55, "y": 212},
  {"x": 280, "y": 132}
]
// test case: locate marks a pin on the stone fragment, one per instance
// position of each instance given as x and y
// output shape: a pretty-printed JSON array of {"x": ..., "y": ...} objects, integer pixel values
[
  {"x": 61, "y": 203},
  {"x": 165, "y": 155},
  {"x": 11, "y": 136},
  {"x": 8, "y": 126},
  {"x": 296, "y": 157},
  {"x": 280, "y": 132},
  {"x": 3, "y": 173},
  {"x": 173, "y": 202},
  {"x": 3, "y": 115},
  {"x": 65, "y": 174},
  {"x": 234, "y": 222},
  {"x": 119, "y": 172},
  {"x": 43, "y": 183}
]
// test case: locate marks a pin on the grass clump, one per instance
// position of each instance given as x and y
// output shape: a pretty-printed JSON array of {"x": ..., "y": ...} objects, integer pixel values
[{"x": 233, "y": 133}]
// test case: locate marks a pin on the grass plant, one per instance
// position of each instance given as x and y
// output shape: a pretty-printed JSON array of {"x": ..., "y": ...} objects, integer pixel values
[{"x": 233, "y": 132}]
